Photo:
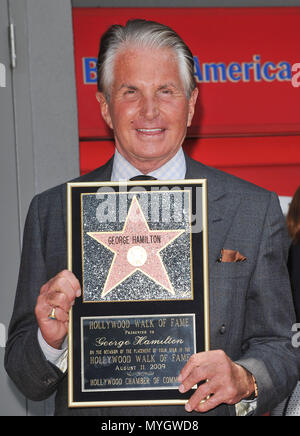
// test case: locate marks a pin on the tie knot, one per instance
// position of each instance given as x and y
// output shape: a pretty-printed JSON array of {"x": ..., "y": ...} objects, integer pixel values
[{"x": 142, "y": 177}]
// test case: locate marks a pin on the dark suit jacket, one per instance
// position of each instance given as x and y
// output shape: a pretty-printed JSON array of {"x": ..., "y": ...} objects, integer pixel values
[
  {"x": 294, "y": 271},
  {"x": 250, "y": 302}
]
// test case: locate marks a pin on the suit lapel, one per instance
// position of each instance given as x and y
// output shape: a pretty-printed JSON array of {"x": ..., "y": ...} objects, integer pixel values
[{"x": 222, "y": 206}]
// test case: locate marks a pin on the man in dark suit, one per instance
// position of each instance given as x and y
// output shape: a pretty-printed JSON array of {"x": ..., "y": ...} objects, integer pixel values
[{"x": 147, "y": 94}]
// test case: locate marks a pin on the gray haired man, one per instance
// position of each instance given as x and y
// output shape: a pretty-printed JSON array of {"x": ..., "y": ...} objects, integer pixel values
[{"x": 147, "y": 95}]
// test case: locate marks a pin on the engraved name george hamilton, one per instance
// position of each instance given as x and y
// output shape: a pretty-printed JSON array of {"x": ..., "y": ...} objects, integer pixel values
[{"x": 138, "y": 340}]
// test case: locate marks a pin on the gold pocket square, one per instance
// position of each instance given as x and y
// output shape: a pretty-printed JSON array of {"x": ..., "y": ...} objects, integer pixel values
[{"x": 231, "y": 256}]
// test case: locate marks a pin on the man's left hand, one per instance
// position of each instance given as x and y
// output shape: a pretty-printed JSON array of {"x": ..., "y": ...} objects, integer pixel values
[{"x": 224, "y": 381}]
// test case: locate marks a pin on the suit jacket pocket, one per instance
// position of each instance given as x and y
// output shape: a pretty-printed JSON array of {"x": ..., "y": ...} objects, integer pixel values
[{"x": 231, "y": 269}]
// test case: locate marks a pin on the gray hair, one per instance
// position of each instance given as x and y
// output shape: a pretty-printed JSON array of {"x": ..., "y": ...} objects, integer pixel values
[{"x": 142, "y": 33}]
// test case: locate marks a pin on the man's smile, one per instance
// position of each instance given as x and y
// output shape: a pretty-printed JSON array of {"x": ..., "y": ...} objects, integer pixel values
[{"x": 150, "y": 132}]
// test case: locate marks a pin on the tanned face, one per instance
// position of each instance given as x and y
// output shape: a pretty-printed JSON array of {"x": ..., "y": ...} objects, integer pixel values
[{"x": 148, "y": 109}]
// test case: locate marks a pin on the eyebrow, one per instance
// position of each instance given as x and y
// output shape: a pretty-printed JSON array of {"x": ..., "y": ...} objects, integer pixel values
[
  {"x": 126, "y": 85},
  {"x": 164, "y": 86},
  {"x": 167, "y": 85}
]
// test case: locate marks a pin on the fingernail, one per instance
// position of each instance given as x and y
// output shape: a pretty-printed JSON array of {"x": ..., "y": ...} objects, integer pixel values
[
  {"x": 181, "y": 388},
  {"x": 188, "y": 407},
  {"x": 78, "y": 293}
]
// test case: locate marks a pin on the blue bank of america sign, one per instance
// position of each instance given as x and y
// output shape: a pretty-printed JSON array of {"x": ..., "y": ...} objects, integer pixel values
[{"x": 218, "y": 72}]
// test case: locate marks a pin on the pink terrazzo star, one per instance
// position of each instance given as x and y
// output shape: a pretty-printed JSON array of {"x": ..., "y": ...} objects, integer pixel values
[{"x": 136, "y": 247}]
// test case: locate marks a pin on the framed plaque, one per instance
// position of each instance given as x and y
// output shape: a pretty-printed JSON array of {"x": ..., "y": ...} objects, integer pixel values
[{"x": 139, "y": 250}]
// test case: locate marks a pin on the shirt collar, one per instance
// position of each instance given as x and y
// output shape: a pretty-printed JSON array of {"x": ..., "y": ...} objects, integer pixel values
[{"x": 174, "y": 169}]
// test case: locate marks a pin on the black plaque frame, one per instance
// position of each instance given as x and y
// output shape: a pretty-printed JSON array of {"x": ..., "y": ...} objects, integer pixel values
[{"x": 195, "y": 308}]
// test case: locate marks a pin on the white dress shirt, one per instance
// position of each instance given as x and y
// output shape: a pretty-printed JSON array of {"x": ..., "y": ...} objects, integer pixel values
[{"x": 174, "y": 169}]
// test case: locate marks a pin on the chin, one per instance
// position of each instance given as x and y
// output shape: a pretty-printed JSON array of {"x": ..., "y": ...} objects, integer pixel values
[{"x": 151, "y": 157}]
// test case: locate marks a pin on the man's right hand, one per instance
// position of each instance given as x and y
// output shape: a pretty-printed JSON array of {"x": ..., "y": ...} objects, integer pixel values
[{"x": 59, "y": 293}]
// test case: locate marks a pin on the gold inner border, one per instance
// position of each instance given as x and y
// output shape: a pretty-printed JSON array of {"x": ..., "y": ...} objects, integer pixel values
[
  {"x": 158, "y": 231},
  {"x": 134, "y": 403},
  {"x": 193, "y": 317}
]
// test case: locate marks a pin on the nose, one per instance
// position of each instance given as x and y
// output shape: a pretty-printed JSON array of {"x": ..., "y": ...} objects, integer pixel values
[{"x": 149, "y": 108}]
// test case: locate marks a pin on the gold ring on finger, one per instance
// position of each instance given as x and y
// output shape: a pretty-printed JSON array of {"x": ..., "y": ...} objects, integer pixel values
[
  {"x": 205, "y": 399},
  {"x": 52, "y": 314}
]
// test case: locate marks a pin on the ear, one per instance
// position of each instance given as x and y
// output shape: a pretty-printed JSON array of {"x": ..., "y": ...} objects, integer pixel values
[
  {"x": 192, "y": 104},
  {"x": 104, "y": 107}
]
